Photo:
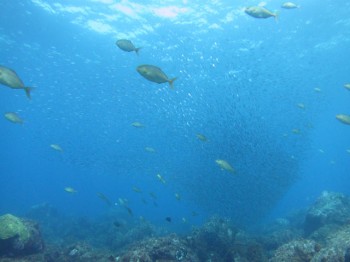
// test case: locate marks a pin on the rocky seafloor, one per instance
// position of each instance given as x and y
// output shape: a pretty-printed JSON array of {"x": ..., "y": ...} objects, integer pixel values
[{"x": 319, "y": 233}]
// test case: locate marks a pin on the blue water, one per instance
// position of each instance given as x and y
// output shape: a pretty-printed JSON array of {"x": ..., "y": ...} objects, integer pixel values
[{"x": 239, "y": 82}]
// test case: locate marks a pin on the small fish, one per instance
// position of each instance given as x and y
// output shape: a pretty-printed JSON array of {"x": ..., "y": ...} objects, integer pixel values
[
  {"x": 225, "y": 165},
  {"x": 348, "y": 150},
  {"x": 153, "y": 195},
  {"x": 260, "y": 12},
  {"x": 184, "y": 220},
  {"x": 201, "y": 137},
  {"x": 122, "y": 201},
  {"x": 70, "y": 190},
  {"x": 117, "y": 224},
  {"x": 56, "y": 147},
  {"x": 177, "y": 196},
  {"x": 347, "y": 86},
  {"x": 150, "y": 149},
  {"x": 13, "y": 117},
  {"x": 155, "y": 74},
  {"x": 301, "y": 105},
  {"x": 137, "y": 124},
  {"x": 318, "y": 90},
  {"x": 168, "y": 219},
  {"x": 289, "y": 5},
  {"x": 127, "y": 46},
  {"x": 345, "y": 119},
  {"x": 136, "y": 189},
  {"x": 129, "y": 210},
  {"x": 104, "y": 198},
  {"x": 8, "y": 77},
  {"x": 161, "y": 179},
  {"x": 296, "y": 131}
]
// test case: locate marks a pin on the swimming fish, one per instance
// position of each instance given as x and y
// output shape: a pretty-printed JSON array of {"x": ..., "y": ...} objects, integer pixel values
[
  {"x": 347, "y": 86},
  {"x": 177, "y": 196},
  {"x": 154, "y": 74},
  {"x": 168, "y": 219},
  {"x": 70, "y": 190},
  {"x": 260, "y": 12},
  {"x": 345, "y": 119},
  {"x": 8, "y": 77},
  {"x": 136, "y": 189},
  {"x": 137, "y": 124},
  {"x": 150, "y": 149},
  {"x": 225, "y": 165},
  {"x": 289, "y": 5},
  {"x": 201, "y": 137},
  {"x": 56, "y": 147},
  {"x": 104, "y": 198},
  {"x": 161, "y": 178},
  {"x": 127, "y": 46},
  {"x": 301, "y": 105},
  {"x": 13, "y": 117}
]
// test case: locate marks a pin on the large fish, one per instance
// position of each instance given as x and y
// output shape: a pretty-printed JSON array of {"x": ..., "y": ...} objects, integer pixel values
[
  {"x": 154, "y": 74},
  {"x": 260, "y": 12},
  {"x": 127, "y": 46},
  {"x": 9, "y": 78}
]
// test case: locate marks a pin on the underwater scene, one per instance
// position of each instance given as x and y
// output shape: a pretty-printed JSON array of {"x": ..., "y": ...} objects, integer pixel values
[{"x": 174, "y": 130}]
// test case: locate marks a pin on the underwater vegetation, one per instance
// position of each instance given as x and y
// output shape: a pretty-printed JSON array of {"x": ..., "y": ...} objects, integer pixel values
[{"x": 112, "y": 238}]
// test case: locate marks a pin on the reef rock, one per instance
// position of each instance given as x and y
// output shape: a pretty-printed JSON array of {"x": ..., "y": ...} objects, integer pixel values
[
  {"x": 19, "y": 236},
  {"x": 296, "y": 251},
  {"x": 329, "y": 209},
  {"x": 169, "y": 248},
  {"x": 337, "y": 247}
]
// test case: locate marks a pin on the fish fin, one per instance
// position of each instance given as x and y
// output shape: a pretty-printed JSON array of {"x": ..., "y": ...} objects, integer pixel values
[
  {"x": 171, "y": 82},
  {"x": 28, "y": 90},
  {"x": 137, "y": 50}
]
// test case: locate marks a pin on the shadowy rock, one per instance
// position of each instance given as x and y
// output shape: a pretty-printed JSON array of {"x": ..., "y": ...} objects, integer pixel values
[
  {"x": 169, "y": 248},
  {"x": 331, "y": 210},
  {"x": 297, "y": 251},
  {"x": 19, "y": 236}
]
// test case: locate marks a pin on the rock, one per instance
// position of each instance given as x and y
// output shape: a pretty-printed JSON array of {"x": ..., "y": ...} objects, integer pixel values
[
  {"x": 296, "y": 251},
  {"x": 19, "y": 236},
  {"x": 330, "y": 208},
  {"x": 337, "y": 247},
  {"x": 169, "y": 248}
]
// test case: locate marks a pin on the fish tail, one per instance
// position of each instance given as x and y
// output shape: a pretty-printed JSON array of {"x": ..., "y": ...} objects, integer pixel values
[
  {"x": 137, "y": 50},
  {"x": 171, "y": 82},
  {"x": 276, "y": 16},
  {"x": 28, "y": 90}
]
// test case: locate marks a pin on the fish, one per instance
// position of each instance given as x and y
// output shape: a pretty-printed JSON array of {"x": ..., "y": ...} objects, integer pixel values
[
  {"x": 161, "y": 179},
  {"x": 136, "y": 189},
  {"x": 56, "y": 147},
  {"x": 127, "y": 46},
  {"x": 318, "y": 90},
  {"x": 137, "y": 124},
  {"x": 260, "y": 12},
  {"x": 177, "y": 196},
  {"x": 150, "y": 149},
  {"x": 117, "y": 224},
  {"x": 70, "y": 190},
  {"x": 201, "y": 137},
  {"x": 296, "y": 131},
  {"x": 9, "y": 78},
  {"x": 129, "y": 210},
  {"x": 345, "y": 119},
  {"x": 184, "y": 220},
  {"x": 104, "y": 198},
  {"x": 13, "y": 117},
  {"x": 347, "y": 86},
  {"x": 301, "y": 105},
  {"x": 155, "y": 74},
  {"x": 153, "y": 195},
  {"x": 168, "y": 219},
  {"x": 223, "y": 164},
  {"x": 289, "y": 5}
]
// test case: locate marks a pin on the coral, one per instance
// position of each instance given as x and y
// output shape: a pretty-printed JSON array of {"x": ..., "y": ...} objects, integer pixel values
[
  {"x": 11, "y": 226},
  {"x": 19, "y": 236}
]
